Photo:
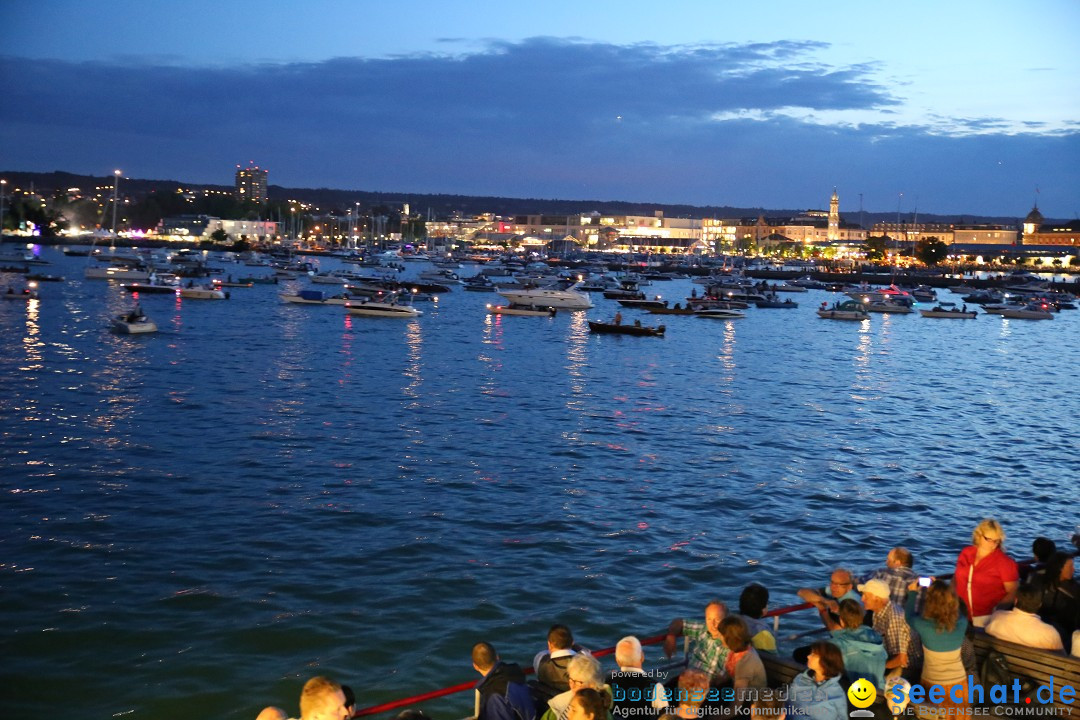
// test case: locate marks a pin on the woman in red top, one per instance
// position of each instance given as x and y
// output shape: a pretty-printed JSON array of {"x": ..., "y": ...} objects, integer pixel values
[{"x": 985, "y": 576}]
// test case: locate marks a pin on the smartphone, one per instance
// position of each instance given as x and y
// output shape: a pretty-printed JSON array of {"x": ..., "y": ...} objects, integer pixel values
[{"x": 925, "y": 581}]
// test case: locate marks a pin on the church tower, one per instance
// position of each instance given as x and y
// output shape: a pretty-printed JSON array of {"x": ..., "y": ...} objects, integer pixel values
[
  {"x": 834, "y": 216},
  {"x": 1032, "y": 223}
]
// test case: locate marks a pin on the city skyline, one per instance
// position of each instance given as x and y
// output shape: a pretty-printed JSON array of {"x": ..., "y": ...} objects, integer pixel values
[{"x": 698, "y": 103}]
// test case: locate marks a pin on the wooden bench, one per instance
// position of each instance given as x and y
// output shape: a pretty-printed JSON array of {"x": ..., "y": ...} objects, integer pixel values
[{"x": 1038, "y": 666}]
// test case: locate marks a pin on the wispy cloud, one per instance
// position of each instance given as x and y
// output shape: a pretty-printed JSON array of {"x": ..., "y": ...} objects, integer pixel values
[{"x": 542, "y": 117}]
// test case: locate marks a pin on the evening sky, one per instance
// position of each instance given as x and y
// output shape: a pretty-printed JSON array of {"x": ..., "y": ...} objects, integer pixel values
[{"x": 960, "y": 107}]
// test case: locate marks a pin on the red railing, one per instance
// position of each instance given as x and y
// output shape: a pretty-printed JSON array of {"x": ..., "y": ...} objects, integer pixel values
[{"x": 462, "y": 687}]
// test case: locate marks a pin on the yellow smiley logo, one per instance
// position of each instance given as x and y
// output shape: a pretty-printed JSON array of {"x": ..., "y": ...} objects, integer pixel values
[{"x": 862, "y": 693}]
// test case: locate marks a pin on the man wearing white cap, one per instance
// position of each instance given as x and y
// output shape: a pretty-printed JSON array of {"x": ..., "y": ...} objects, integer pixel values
[{"x": 890, "y": 623}]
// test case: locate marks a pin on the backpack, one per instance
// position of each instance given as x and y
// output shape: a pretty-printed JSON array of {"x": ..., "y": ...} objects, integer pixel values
[{"x": 995, "y": 671}]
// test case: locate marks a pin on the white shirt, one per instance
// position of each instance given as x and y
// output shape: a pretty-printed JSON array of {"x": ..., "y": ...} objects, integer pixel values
[
  {"x": 1023, "y": 628},
  {"x": 658, "y": 703},
  {"x": 557, "y": 654}
]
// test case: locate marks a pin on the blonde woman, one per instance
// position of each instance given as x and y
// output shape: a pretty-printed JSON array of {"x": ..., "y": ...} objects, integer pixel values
[{"x": 985, "y": 576}]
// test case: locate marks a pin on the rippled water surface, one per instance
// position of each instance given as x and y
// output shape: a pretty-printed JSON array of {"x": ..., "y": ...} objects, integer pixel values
[{"x": 194, "y": 522}]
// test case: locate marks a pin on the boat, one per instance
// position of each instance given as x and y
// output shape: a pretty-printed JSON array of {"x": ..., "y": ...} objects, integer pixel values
[
  {"x": 116, "y": 272},
  {"x": 567, "y": 298},
  {"x": 643, "y": 304},
  {"x": 159, "y": 283},
  {"x": 231, "y": 283},
  {"x": 775, "y": 302},
  {"x": 719, "y": 313},
  {"x": 677, "y": 310},
  {"x": 15, "y": 269},
  {"x": 618, "y": 328},
  {"x": 388, "y": 306},
  {"x": 133, "y": 323},
  {"x": 41, "y": 277},
  {"x": 787, "y": 287},
  {"x": 887, "y": 306},
  {"x": 949, "y": 310},
  {"x": 27, "y": 293},
  {"x": 317, "y": 297},
  {"x": 201, "y": 292},
  {"x": 479, "y": 283},
  {"x": 847, "y": 310},
  {"x": 1031, "y": 311},
  {"x": 265, "y": 280},
  {"x": 866, "y": 294},
  {"x": 809, "y": 283},
  {"x": 327, "y": 278},
  {"x": 527, "y": 310}
]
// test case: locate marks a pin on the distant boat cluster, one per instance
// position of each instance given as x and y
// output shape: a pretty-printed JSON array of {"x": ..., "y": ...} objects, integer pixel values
[{"x": 389, "y": 284}]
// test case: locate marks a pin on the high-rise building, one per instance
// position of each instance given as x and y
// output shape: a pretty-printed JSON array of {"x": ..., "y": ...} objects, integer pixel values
[{"x": 251, "y": 183}]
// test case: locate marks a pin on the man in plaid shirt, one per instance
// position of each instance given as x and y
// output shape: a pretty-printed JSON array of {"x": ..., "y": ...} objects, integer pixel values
[
  {"x": 897, "y": 574},
  {"x": 708, "y": 652},
  {"x": 890, "y": 623}
]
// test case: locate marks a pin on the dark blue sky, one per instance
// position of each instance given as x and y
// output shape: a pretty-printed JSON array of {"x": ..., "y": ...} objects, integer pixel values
[{"x": 966, "y": 108}]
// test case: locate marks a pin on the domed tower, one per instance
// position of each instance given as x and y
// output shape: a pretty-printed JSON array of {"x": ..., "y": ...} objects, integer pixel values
[
  {"x": 1032, "y": 223},
  {"x": 834, "y": 216}
]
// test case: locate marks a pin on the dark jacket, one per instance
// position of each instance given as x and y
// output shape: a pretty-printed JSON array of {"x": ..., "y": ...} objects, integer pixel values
[{"x": 504, "y": 695}]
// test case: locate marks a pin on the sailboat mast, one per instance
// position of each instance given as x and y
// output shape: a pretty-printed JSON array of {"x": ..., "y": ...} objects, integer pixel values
[{"x": 115, "y": 187}]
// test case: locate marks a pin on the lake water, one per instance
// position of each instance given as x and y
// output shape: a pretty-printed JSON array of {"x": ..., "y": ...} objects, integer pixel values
[{"x": 197, "y": 521}]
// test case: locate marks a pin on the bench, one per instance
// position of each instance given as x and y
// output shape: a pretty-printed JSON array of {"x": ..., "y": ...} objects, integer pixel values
[{"x": 1038, "y": 666}]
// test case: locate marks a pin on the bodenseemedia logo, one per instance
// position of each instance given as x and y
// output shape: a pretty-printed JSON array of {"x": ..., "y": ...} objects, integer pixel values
[{"x": 1010, "y": 699}]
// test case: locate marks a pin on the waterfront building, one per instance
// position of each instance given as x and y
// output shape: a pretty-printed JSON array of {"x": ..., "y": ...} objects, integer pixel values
[
  {"x": 1037, "y": 232},
  {"x": 913, "y": 232},
  {"x": 197, "y": 228},
  {"x": 251, "y": 184},
  {"x": 817, "y": 228}
]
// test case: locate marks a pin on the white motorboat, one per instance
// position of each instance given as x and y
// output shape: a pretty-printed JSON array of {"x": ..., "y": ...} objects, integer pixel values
[
  {"x": 317, "y": 297},
  {"x": 847, "y": 310},
  {"x": 389, "y": 306},
  {"x": 329, "y": 278},
  {"x": 201, "y": 292},
  {"x": 113, "y": 272},
  {"x": 1028, "y": 312},
  {"x": 885, "y": 306},
  {"x": 892, "y": 294},
  {"x": 719, "y": 313},
  {"x": 568, "y": 299},
  {"x": 133, "y": 323},
  {"x": 526, "y": 310}
]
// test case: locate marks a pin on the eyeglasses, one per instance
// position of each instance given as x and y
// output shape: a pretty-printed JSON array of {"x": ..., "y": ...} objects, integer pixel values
[{"x": 984, "y": 536}]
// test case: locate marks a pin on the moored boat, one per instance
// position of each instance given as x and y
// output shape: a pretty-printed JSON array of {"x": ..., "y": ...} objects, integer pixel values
[
  {"x": 719, "y": 313},
  {"x": 201, "y": 292},
  {"x": 847, "y": 310},
  {"x": 949, "y": 310},
  {"x": 1032, "y": 311},
  {"x": 618, "y": 328},
  {"x": 887, "y": 306},
  {"x": 525, "y": 310},
  {"x": 567, "y": 298},
  {"x": 317, "y": 297},
  {"x": 388, "y": 306}
]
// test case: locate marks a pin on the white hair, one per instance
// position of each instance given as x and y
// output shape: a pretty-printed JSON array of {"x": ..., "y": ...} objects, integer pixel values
[{"x": 628, "y": 652}]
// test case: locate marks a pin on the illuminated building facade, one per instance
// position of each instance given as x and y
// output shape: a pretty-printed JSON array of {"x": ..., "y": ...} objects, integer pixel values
[{"x": 251, "y": 184}]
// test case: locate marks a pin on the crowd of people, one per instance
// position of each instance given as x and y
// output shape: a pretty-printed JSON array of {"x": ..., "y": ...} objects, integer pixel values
[{"x": 887, "y": 627}]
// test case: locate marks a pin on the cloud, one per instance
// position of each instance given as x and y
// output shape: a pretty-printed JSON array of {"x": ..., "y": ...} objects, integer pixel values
[{"x": 544, "y": 117}]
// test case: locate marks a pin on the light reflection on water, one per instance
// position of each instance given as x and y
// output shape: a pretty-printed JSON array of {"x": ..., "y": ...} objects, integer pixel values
[{"x": 262, "y": 491}]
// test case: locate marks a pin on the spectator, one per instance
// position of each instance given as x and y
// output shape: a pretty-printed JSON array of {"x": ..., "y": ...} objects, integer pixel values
[
  {"x": 1061, "y": 598},
  {"x": 743, "y": 665},
  {"x": 752, "y": 603},
  {"x": 816, "y": 692},
  {"x": 827, "y": 600},
  {"x": 888, "y": 620},
  {"x": 861, "y": 646},
  {"x": 1022, "y": 624},
  {"x": 272, "y": 713},
  {"x": 942, "y": 628},
  {"x": 550, "y": 666},
  {"x": 588, "y": 704},
  {"x": 897, "y": 574},
  {"x": 1041, "y": 550},
  {"x": 583, "y": 672},
  {"x": 350, "y": 699},
  {"x": 501, "y": 694},
  {"x": 321, "y": 699},
  {"x": 985, "y": 576},
  {"x": 634, "y": 692},
  {"x": 707, "y": 650},
  {"x": 693, "y": 690}
]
